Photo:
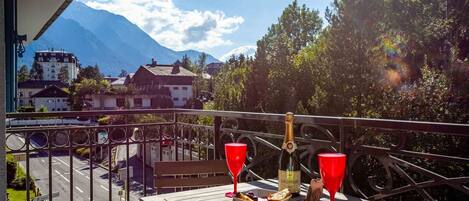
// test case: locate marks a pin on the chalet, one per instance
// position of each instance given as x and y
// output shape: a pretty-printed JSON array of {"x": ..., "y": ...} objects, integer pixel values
[
  {"x": 163, "y": 78},
  {"x": 29, "y": 88},
  {"x": 151, "y": 86},
  {"x": 53, "y": 98}
]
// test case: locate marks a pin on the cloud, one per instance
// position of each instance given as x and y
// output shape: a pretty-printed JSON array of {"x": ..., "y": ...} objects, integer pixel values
[
  {"x": 171, "y": 26},
  {"x": 247, "y": 50}
]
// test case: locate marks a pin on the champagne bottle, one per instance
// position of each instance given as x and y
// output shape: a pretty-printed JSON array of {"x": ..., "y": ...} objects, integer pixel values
[{"x": 289, "y": 173}]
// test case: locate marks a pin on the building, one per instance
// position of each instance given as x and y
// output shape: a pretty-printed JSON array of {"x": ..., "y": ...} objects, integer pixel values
[
  {"x": 52, "y": 61},
  {"x": 174, "y": 78},
  {"x": 53, "y": 98},
  {"x": 29, "y": 88},
  {"x": 152, "y": 86}
]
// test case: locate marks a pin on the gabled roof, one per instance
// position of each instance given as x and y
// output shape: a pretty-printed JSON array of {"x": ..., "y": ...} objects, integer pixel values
[
  {"x": 41, "y": 84},
  {"x": 167, "y": 70},
  {"x": 52, "y": 91},
  {"x": 119, "y": 81}
]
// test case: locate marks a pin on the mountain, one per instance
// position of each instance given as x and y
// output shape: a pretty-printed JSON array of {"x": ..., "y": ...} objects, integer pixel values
[
  {"x": 248, "y": 50},
  {"x": 106, "y": 39}
]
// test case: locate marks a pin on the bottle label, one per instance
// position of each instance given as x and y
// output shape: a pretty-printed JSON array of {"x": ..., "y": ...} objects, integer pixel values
[
  {"x": 289, "y": 179},
  {"x": 289, "y": 146}
]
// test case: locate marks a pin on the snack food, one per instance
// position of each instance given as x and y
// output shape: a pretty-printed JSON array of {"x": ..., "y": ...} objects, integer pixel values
[
  {"x": 249, "y": 196},
  {"x": 280, "y": 196}
]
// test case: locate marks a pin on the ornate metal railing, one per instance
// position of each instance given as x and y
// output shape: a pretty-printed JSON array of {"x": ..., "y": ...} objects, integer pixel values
[{"x": 387, "y": 159}]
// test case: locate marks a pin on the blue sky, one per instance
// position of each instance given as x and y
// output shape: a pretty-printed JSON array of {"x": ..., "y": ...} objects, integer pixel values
[{"x": 218, "y": 27}]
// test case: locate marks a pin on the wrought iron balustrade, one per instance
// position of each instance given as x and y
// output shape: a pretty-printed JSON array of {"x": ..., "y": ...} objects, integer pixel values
[{"x": 387, "y": 159}]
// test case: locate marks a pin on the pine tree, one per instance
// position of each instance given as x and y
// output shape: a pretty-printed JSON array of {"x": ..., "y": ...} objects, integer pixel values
[
  {"x": 201, "y": 63},
  {"x": 23, "y": 73},
  {"x": 63, "y": 74},
  {"x": 36, "y": 72}
]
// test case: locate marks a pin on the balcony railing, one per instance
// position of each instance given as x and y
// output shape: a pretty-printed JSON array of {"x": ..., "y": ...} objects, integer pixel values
[{"x": 387, "y": 159}]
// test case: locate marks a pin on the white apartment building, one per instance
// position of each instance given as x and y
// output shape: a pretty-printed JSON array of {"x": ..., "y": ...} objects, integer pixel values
[{"x": 52, "y": 61}]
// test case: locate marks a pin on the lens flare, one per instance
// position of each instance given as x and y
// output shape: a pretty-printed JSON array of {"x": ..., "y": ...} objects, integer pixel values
[{"x": 393, "y": 46}]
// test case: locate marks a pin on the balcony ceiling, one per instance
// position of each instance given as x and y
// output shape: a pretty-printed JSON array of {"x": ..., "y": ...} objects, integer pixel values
[{"x": 34, "y": 17}]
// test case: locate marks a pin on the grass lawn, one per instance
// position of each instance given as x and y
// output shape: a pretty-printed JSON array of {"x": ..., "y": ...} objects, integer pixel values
[{"x": 17, "y": 195}]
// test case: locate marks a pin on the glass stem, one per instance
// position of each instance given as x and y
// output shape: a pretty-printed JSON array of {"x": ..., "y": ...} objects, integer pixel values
[{"x": 235, "y": 184}]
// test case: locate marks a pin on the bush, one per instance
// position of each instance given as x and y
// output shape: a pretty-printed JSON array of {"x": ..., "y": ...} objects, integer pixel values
[
  {"x": 19, "y": 183},
  {"x": 105, "y": 120},
  {"x": 11, "y": 169},
  {"x": 83, "y": 152},
  {"x": 26, "y": 109}
]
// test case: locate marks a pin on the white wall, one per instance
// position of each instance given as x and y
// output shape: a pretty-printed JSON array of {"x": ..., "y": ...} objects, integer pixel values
[
  {"x": 52, "y": 103},
  {"x": 52, "y": 69},
  {"x": 27, "y": 93},
  {"x": 180, "y": 94}
]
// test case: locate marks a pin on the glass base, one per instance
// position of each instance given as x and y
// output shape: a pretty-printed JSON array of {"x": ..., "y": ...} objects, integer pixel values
[{"x": 230, "y": 194}]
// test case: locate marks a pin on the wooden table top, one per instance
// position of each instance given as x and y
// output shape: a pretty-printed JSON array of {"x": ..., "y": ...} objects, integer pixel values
[{"x": 218, "y": 193}]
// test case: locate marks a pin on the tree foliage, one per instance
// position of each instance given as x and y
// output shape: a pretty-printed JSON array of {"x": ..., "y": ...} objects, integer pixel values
[
  {"x": 36, "y": 72},
  {"x": 63, "y": 74},
  {"x": 23, "y": 73}
]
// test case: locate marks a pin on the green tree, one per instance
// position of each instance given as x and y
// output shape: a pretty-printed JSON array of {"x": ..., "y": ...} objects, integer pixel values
[
  {"x": 230, "y": 86},
  {"x": 36, "y": 72},
  {"x": 201, "y": 63},
  {"x": 186, "y": 62},
  {"x": 273, "y": 84},
  {"x": 23, "y": 73},
  {"x": 63, "y": 74},
  {"x": 89, "y": 72}
]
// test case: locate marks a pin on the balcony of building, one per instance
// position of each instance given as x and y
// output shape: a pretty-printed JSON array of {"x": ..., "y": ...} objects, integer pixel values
[{"x": 387, "y": 159}]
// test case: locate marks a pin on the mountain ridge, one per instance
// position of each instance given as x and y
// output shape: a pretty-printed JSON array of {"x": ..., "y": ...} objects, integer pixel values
[{"x": 99, "y": 37}]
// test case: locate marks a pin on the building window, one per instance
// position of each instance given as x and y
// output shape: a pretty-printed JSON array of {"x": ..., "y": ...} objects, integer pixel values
[
  {"x": 64, "y": 109},
  {"x": 53, "y": 71},
  {"x": 120, "y": 102},
  {"x": 184, "y": 88},
  {"x": 64, "y": 100},
  {"x": 184, "y": 99},
  {"x": 66, "y": 59},
  {"x": 175, "y": 99},
  {"x": 52, "y": 77},
  {"x": 58, "y": 109},
  {"x": 137, "y": 102},
  {"x": 176, "y": 88},
  {"x": 30, "y": 93},
  {"x": 58, "y": 100},
  {"x": 53, "y": 109},
  {"x": 21, "y": 94},
  {"x": 39, "y": 59}
]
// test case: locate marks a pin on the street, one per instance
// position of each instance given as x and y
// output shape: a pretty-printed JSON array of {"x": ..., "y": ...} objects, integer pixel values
[{"x": 61, "y": 176}]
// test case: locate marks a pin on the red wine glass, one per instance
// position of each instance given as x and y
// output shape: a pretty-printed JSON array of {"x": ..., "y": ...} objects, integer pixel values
[
  {"x": 235, "y": 156},
  {"x": 332, "y": 169}
]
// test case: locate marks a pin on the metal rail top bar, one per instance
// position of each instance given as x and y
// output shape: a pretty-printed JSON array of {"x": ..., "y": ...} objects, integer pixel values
[{"x": 436, "y": 127}]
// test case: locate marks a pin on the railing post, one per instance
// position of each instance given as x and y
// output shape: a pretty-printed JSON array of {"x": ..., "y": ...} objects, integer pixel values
[
  {"x": 175, "y": 134},
  {"x": 342, "y": 140},
  {"x": 341, "y": 137},
  {"x": 216, "y": 136}
]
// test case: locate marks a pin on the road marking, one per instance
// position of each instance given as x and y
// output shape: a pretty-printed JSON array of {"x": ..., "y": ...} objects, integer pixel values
[
  {"x": 104, "y": 187},
  {"x": 82, "y": 174},
  {"x": 62, "y": 176},
  {"x": 87, "y": 177},
  {"x": 81, "y": 191},
  {"x": 43, "y": 161}
]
